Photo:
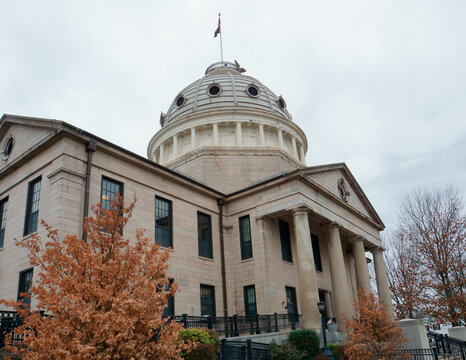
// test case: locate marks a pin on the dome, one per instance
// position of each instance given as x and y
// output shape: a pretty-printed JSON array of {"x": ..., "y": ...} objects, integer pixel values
[
  {"x": 224, "y": 88},
  {"x": 228, "y": 130}
]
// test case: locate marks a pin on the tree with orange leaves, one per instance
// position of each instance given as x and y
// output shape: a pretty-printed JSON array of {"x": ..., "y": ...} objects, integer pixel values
[
  {"x": 371, "y": 333},
  {"x": 105, "y": 297}
]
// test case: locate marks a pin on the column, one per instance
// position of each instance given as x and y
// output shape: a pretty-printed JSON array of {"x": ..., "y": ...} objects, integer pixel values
[
  {"x": 175, "y": 146},
  {"x": 382, "y": 279},
  {"x": 280, "y": 139},
  {"x": 239, "y": 135},
  {"x": 329, "y": 304},
  {"x": 215, "y": 131},
  {"x": 303, "y": 156},
  {"x": 308, "y": 290},
  {"x": 161, "y": 154},
  {"x": 193, "y": 138},
  {"x": 341, "y": 295},
  {"x": 360, "y": 264},
  {"x": 261, "y": 135},
  {"x": 293, "y": 147}
]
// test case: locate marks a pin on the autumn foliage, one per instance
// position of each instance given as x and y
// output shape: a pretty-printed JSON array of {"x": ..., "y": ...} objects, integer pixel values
[
  {"x": 371, "y": 333},
  {"x": 105, "y": 297}
]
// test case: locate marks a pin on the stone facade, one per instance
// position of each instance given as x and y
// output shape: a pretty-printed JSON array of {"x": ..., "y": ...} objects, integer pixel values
[{"x": 200, "y": 163}]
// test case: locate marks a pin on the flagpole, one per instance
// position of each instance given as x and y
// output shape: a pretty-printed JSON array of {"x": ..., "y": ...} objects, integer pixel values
[{"x": 221, "y": 45}]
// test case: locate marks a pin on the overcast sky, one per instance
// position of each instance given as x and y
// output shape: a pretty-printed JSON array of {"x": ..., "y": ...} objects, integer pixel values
[{"x": 380, "y": 85}]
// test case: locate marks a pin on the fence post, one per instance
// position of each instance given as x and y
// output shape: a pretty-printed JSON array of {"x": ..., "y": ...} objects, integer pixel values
[
  {"x": 249, "y": 350},
  {"x": 275, "y": 316},
  {"x": 258, "y": 329},
  {"x": 223, "y": 349},
  {"x": 293, "y": 322},
  {"x": 235, "y": 323},
  {"x": 210, "y": 323},
  {"x": 184, "y": 320},
  {"x": 434, "y": 351}
]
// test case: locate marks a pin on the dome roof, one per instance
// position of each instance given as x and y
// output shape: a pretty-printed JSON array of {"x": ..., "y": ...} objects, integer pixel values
[{"x": 224, "y": 88}]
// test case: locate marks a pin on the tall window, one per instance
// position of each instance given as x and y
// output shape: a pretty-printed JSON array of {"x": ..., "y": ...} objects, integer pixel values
[
  {"x": 316, "y": 251},
  {"x": 3, "y": 211},
  {"x": 207, "y": 300},
  {"x": 169, "y": 310},
  {"x": 32, "y": 207},
  {"x": 163, "y": 222},
  {"x": 25, "y": 282},
  {"x": 291, "y": 304},
  {"x": 245, "y": 237},
  {"x": 285, "y": 240},
  {"x": 250, "y": 307},
  {"x": 204, "y": 235},
  {"x": 110, "y": 189}
]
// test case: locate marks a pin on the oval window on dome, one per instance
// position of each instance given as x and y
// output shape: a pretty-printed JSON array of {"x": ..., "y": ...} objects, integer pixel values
[
  {"x": 8, "y": 147},
  {"x": 253, "y": 91},
  {"x": 214, "y": 90},
  {"x": 281, "y": 102},
  {"x": 180, "y": 100}
]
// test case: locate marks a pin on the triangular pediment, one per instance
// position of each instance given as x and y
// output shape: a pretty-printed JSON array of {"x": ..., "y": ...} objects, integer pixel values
[
  {"x": 20, "y": 136},
  {"x": 337, "y": 182}
]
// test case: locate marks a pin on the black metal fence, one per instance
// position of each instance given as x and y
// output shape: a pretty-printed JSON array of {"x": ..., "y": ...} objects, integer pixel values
[
  {"x": 235, "y": 325},
  {"x": 243, "y": 350},
  {"x": 447, "y": 347}
]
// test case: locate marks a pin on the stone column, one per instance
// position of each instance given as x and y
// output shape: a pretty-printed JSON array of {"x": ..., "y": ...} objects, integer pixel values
[
  {"x": 341, "y": 295},
  {"x": 293, "y": 147},
  {"x": 303, "y": 156},
  {"x": 360, "y": 264},
  {"x": 382, "y": 279},
  {"x": 239, "y": 135},
  {"x": 193, "y": 138},
  {"x": 328, "y": 304},
  {"x": 161, "y": 154},
  {"x": 215, "y": 131},
  {"x": 175, "y": 146},
  {"x": 261, "y": 135},
  {"x": 280, "y": 139},
  {"x": 308, "y": 290}
]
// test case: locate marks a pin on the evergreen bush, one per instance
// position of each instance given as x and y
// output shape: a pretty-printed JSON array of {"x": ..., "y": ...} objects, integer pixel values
[{"x": 306, "y": 341}]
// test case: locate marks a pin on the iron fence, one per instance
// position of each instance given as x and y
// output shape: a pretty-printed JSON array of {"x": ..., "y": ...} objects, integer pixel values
[
  {"x": 448, "y": 347},
  {"x": 243, "y": 350}
]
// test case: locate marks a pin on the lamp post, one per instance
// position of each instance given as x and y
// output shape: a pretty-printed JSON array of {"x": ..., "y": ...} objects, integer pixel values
[{"x": 326, "y": 352}]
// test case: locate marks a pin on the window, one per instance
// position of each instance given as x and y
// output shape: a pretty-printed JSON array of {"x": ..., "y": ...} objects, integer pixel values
[
  {"x": 285, "y": 240},
  {"x": 245, "y": 237},
  {"x": 207, "y": 300},
  {"x": 32, "y": 207},
  {"x": 3, "y": 211},
  {"x": 204, "y": 235},
  {"x": 169, "y": 310},
  {"x": 250, "y": 300},
  {"x": 316, "y": 251},
  {"x": 163, "y": 222},
  {"x": 25, "y": 282},
  {"x": 110, "y": 189},
  {"x": 291, "y": 304}
]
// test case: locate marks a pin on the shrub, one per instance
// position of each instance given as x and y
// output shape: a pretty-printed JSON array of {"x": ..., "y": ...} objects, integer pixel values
[
  {"x": 306, "y": 341},
  {"x": 338, "y": 351},
  {"x": 208, "y": 343},
  {"x": 287, "y": 351}
]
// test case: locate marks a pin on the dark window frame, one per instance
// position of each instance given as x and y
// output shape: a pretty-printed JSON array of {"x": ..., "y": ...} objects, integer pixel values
[
  {"x": 292, "y": 309},
  {"x": 285, "y": 241},
  {"x": 316, "y": 252},
  {"x": 22, "y": 275},
  {"x": 31, "y": 218},
  {"x": 3, "y": 216},
  {"x": 212, "y": 288},
  {"x": 246, "y": 250},
  {"x": 111, "y": 180},
  {"x": 247, "y": 305},
  {"x": 204, "y": 242},
  {"x": 169, "y": 310},
  {"x": 169, "y": 228}
]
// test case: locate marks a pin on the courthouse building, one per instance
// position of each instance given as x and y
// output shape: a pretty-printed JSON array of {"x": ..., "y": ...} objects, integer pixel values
[{"x": 225, "y": 185}]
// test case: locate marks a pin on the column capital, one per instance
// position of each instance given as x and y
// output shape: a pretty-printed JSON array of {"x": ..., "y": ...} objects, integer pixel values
[
  {"x": 377, "y": 249},
  {"x": 355, "y": 238},
  {"x": 301, "y": 210},
  {"x": 331, "y": 225}
]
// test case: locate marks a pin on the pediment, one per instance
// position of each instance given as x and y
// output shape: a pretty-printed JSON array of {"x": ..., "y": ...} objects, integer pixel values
[
  {"x": 338, "y": 183},
  {"x": 21, "y": 135}
]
